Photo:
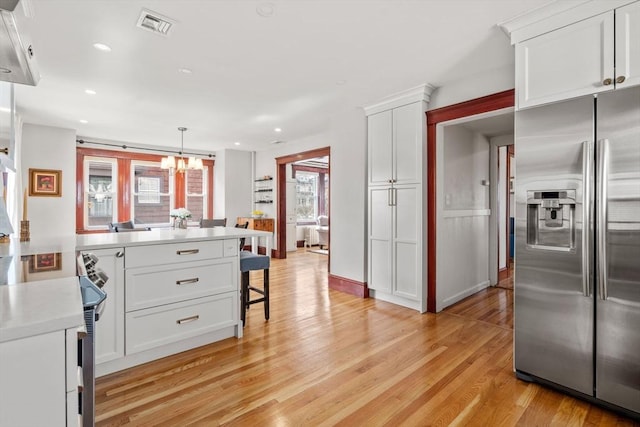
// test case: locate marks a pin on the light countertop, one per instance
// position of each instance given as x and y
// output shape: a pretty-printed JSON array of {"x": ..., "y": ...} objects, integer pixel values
[
  {"x": 161, "y": 236},
  {"x": 40, "y": 307}
]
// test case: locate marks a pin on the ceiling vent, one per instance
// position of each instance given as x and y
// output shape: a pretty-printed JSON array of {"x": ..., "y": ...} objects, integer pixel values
[{"x": 154, "y": 22}]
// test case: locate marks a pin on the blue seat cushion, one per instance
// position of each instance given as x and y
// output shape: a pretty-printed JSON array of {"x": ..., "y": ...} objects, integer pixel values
[{"x": 250, "y": 261}]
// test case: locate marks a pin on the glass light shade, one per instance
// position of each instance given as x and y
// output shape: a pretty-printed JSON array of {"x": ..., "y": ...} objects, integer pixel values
[
  {"x": 168, "y": 162},
  {"x": 195, "y": 163},
  {"x": 181, "y": 166}
]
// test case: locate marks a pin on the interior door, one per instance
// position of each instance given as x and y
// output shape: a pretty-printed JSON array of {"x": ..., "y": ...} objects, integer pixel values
[{"x": 618, "y": 302}]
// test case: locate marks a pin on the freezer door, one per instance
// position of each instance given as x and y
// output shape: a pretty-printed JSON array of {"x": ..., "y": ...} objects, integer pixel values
[
  {"x": 618, "y": 251},
  {"x": 553, "y": 298}
]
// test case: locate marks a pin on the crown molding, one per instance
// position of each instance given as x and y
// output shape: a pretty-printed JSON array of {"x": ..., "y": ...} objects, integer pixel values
[
  {"x": 415, "y": 94},
  {"x": 554, "y": 15}
]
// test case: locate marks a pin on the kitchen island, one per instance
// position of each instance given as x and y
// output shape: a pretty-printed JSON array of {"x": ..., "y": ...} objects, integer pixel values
[{"x": 169, "y": 290}]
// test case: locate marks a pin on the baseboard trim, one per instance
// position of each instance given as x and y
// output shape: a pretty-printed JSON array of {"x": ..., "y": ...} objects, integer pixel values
[
  {"x": 503, "y": 273},
  {"x": 349, "y": 286},
  {"x": 462, "y": 295}
]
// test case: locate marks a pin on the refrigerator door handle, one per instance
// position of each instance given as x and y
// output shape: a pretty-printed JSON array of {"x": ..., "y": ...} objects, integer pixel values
[
  {"x": 601, "y": 200},
  {"x": 587, "y": 175}
]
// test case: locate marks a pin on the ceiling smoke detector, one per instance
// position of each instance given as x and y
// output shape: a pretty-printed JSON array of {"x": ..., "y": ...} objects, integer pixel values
[{"x": 154, "y": 22}]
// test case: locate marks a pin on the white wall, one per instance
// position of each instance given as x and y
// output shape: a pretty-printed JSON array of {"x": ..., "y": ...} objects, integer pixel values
[
  {"x": 45, "y": 147},
  {"x": 233, "y": 186},
  {"x": 463, "y": 215},
  {"x": 475, "y": 86},
  {"x": 346, "y": 135}
]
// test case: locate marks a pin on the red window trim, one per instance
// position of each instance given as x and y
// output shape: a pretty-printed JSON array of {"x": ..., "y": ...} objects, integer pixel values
[{"x": 124, "y": 159}]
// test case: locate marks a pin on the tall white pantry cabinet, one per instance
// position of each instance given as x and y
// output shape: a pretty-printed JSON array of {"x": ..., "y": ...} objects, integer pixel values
[{"x": 396, "y": 134}]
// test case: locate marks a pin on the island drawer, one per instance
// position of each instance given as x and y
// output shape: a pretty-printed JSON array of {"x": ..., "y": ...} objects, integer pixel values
[
  {"x": 148, "y": 255},
  {"x": 152, "y": 286},
  {"x": 153, "y": 327}
]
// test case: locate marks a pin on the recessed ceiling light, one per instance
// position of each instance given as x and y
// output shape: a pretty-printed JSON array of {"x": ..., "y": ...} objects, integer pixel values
[
  {"x": 185, "y": 70},
  {"x": 84, "y": 122},
  {"x": 341, "y": 82},
  {"x": 266, "y": 10},
  {"x": 277, "y": 130},
  {"x": 101, "y": 46},
  {"x": 236, "y": 143},
  {"x": 90, "y": 91}
]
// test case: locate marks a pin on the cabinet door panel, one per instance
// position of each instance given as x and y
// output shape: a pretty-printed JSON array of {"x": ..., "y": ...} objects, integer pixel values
[
  {"x": 109, "y": 337},
  {"x": 380, "y": 239},
  {"x": 406, "y": 274},
  {"x": 407, "y": 201},
  {"x": 406, "y": 243},
  {"x": 407, "y": 129},
  {"x": 628, "y": 45},
  {"x": 380, "y": 147},
  {"x": 566, "y": 63}
]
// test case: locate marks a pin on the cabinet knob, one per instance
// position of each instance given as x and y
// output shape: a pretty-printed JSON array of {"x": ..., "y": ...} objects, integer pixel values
[
  {"x": 607, "y": 82},
  {"x": 119, "y": 254},
  {"x": 620, "y": 79}
]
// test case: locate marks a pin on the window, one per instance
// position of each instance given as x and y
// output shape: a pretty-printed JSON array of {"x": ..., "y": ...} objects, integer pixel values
[
  {"x": 116, "y": 186},
  {"x": 196, "y": 193},
  {"x": 307, "y": 197},
  {"x": 153, "y": 200},
  {"x": 312, "y": 192},
  {"x": 148, "y": 189},
  {"x": 100, "y": 193}
]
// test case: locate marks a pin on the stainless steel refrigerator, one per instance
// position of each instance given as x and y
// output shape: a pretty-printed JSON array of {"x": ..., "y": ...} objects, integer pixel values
[{"x": 577, "y": 260}]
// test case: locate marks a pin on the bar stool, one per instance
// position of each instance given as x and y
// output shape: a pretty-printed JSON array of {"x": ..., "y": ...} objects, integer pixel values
[{"x": 251, "y": 262}]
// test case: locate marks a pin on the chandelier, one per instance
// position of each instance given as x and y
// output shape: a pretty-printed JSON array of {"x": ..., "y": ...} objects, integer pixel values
[{"x": 169, "y": 162}]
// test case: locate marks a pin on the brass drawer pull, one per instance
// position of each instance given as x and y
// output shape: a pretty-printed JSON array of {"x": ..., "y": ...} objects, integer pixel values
[
  {"x": 187, "y": 281},
  {"x": 188, "y": 252},
  {"x": 188, "y": 319}
]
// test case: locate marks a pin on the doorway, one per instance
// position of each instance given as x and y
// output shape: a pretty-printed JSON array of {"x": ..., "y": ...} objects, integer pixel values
[
  {"x": 284, "y": 179},
  {"x": 472, "y": 204},
  {"x": 435, "y": 195}
]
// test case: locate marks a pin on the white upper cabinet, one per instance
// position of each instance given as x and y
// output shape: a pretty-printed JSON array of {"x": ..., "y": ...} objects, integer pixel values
[
  {"x": 380, "y": 133},
  {"x": 564, "y": 59},
  {"x": 569, "y": 62},
  {"x": 395, "y": 145},
  {"x": 408, "y": 121},
  {"x": 628, "y": 45}
]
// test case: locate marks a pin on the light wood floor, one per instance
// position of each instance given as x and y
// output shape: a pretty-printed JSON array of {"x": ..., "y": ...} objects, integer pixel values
[{"x": 327, "y": 358}]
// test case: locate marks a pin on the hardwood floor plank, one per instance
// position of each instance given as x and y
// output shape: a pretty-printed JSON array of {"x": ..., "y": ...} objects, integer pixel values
[{"x": 327, "y": 358}]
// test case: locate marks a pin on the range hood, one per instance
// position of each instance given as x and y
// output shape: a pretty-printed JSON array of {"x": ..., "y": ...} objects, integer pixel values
[{"x": 17, "y": 62}]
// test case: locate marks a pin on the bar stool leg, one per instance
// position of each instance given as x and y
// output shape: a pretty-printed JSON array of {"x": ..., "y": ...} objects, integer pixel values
[
  {"x": 266, "y": 293},
  {"x": 244, "y": 296}
]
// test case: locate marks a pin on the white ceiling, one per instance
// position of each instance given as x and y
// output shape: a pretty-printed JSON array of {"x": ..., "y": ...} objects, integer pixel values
[{"x": 251, "y": 73}]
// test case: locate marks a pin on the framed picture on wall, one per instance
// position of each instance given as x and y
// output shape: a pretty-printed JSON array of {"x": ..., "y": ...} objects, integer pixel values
[
  {"x": 45, "y": 262},
  {"x": 45, "y": 182}
]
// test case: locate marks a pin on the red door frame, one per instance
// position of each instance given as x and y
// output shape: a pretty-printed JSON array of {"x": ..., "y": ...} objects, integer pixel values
[{"x": 496, "y": 101}]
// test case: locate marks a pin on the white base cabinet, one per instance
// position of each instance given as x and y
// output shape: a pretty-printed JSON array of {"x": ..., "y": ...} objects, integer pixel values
[
  {"x": 109, "y": 329},
  {"x": 174, "y": 297},
  {"x": 39, "y": 380}
]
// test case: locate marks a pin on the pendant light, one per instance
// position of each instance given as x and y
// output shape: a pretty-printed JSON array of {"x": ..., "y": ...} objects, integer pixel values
[{"x": 169, "y": 162}]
